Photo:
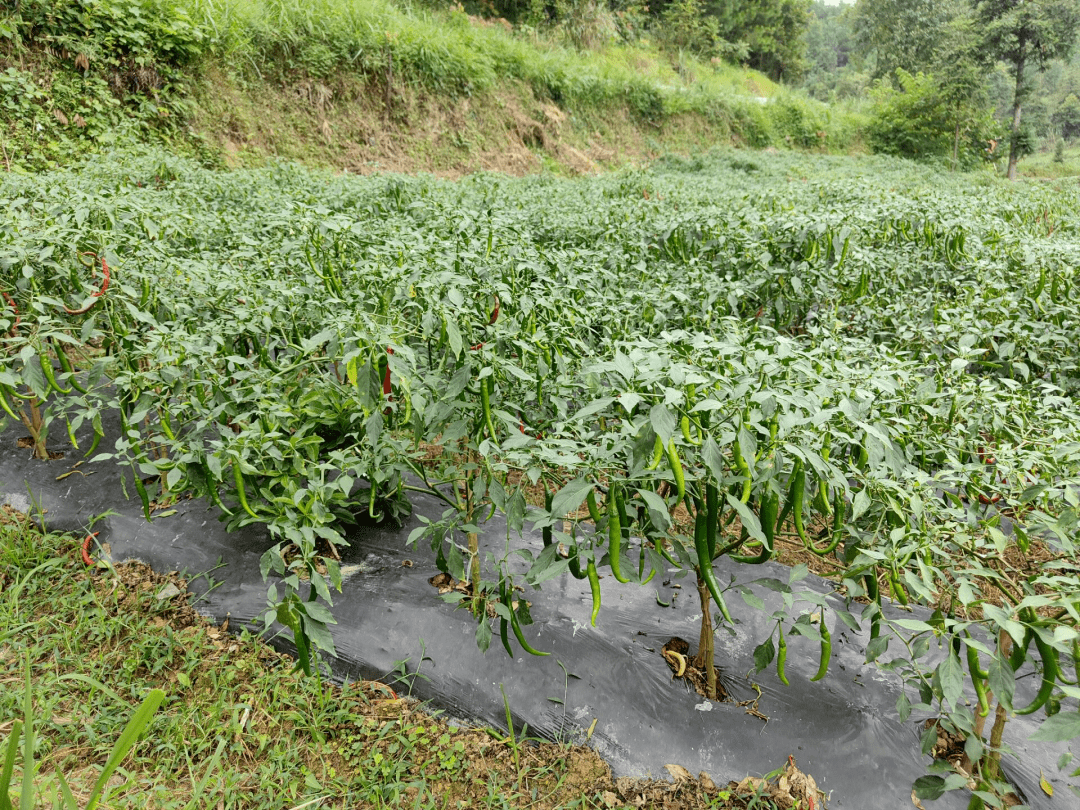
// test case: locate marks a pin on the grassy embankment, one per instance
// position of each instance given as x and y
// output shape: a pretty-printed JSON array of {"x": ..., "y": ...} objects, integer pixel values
[
  {"x": 370, "y": 85},
  {"x": 238, "y": 728}
]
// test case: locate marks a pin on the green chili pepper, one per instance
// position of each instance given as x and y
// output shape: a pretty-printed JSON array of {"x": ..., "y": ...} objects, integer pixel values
[
  {"x": 145, "y": 298},
  {"x": 770, "y": 504},
  {"x": 712, "y": 509},
  {"x": 516, "y": 626},
  {"x": 799, "y": 493},
  {"x": 821, "y": 497},
  {"x": 978, "y": 679},
  {"x": 594, "y": 510},
  {"x": 140, "y": 487},
  {"x": 615, "y": 534},
  {"x": 65, "y": 364},
  {"x": 216, "y": 499},
  {"x": 1049, "y": 658},
  {"x": 676, "y": 469},
  {"x": 658, "y": 453},
  {"x": 574, "y": 561},
  {"x": 166, "y": 426},
  {"x": 545, "y": 533},
  {"x": 838, "y": 512},
  {"x": 897, "y": 588},
  {"x": 594, "y": 586},
  {"x": 504, "y": 637},
  {"x": 485, "y": 401},
  {"x": 238, "y": 478},
  {"x": 781, "y": 657},
  {"x": 98, "y": 436},
  {"x": 744, "y": 468},
  {"x": 50, "y": 374},
  {"x": 872, "y": 592},
  {"x": 826, "y": 648},
  {"x": 6, "y": 405},
  {"x": 705, "y": 568},
  {"x": 684, "y": 425}
]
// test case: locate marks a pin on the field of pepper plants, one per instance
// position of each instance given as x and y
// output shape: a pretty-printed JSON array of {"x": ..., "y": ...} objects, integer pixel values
[{"x": 870, "y": 365}]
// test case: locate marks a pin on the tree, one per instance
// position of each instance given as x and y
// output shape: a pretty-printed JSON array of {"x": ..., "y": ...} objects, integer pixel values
[
  {"x": 960, "y": 68},
  {"x": 772, "y": 29},
  {"x": 902, "y": 33},
  {"x": 1067, "y": 117},
  {"x": 829, "y": 45},
  {"x": 1025, "y": 33}
]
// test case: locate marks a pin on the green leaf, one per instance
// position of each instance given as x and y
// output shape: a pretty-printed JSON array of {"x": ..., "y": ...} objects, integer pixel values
[
  {"x": 749, "y": 520},
  {"x": 752, "y": 599},
  {"x": 658, "y": 511},
  {"x": 876, "y": 648},
  {"x": 903, "y": 707},
  {"x": 662, "y": 421},
  {"x": 455, "y": 566},
  {"x": 763, "y": 654},
  {"x": 65, "y": 792},
  {"x": 483, "y": 635},
  {"x": 453, "y": 334},
  {"x": 951, "y": 678},
  {"x": 136, "y": 725},
  {"x": 592, "y": 408},
  {"x": 570, "y": 497},
  {"x": 929, "y": 787},
  {"x": 1001, "y": 681},
  {"x": 9, "y": 765},
  {"x": 26, "y": 797},
  {"x": 713, "y": 458},
  {"x": 1062, "y": 727},
  {"x": 319, "y": 612}
]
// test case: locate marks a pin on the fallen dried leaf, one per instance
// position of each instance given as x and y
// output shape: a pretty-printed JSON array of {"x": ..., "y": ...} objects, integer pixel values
[
  {"x": 1047, "y": 788},
  {"x": 679, "y": 773}
]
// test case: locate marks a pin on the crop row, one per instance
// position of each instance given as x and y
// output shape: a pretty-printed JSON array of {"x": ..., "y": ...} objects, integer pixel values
[{"x": 654, "y": 368}]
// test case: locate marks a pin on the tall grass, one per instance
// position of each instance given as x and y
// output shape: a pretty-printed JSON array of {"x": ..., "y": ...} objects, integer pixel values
[
  {"x": 445, "y": 51},
  {"x": 441, "y": 51}
]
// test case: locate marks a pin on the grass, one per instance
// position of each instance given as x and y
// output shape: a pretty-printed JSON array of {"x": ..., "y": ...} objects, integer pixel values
[
  {"x": 1043, "y": 166},
  {"x": 340, "y": 74},
  {"x": 448, "y": 54},
  {"x": 100, "y": 642}
]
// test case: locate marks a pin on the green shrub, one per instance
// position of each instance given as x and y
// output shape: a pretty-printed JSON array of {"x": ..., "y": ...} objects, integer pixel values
[{"x": 916, "y": 120}]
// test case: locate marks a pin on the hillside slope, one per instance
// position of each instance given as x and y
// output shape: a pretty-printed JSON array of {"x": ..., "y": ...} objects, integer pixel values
[{"x": 363, "y": 85}]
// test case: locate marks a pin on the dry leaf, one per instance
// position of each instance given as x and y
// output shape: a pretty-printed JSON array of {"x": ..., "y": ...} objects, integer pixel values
[
  {"x": 679, "y": 773},
  {"x": 706, "y": 781},
  {"x": 1047, "y": 788}
]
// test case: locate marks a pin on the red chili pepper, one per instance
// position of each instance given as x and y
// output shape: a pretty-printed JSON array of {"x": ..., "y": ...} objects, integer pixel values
[
  {"x": 15, "y": 309},
  {"x": 86, "y": 549},
  {"x": 476, "y": 348},
  {"x": 983, "y": 499},
  {"x": 386, "y": 389},
  {"x": 104, "y": 284},
  {"x": 393, "y": 694},
  {"x": 495, "y": 312}
]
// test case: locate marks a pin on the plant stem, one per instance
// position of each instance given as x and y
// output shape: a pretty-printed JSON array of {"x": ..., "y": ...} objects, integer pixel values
[
  {"x": 34, "y": 425},
  {"x": 706, "y": 648}
]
